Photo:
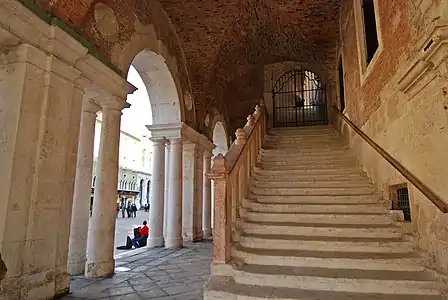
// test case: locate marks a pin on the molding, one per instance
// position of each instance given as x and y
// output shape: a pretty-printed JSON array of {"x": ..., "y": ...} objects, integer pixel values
[
  {"x": 180, "y": 130},
  {"x": 53, "y": 20},
  {"x": 19, "y": 25},
  {"x": 433, "y": 52}
]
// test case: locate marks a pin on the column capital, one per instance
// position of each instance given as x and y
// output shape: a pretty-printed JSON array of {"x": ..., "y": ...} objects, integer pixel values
[
  {"x": 175, "y": 140},
  {"x": 207, "y": 154},
  {"x": 90, "y": 106},
  {"x": 159, "y": 141}
]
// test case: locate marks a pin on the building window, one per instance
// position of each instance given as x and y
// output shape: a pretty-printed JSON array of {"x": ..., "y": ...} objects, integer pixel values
[
  {"x": 403, "y": 203},
  {"x": 370, "y": 29},
  {"x": 400, "y": 200},
  {"x": 341, "y": 85}
]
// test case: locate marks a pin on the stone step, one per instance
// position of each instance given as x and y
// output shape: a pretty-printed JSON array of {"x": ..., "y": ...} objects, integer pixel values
[
  {"x": 305, "y": 142},
  {"x": 299, "y": 176},
  {"x": 339, "y": 284},
  {"x": 299, "y": 165},
  {"x": 322, "y": 230},
  {"x": 331, "y": 259},
  {"x": 225, "y": 287},
  {"x": 288, "y": 208},
  {"x": 293, "y": 172},
  {"x": 313, "y": 191},
  {"x": 256, "y": 182},
  {"x": 332, "y": 246},
  {"x": 313, "y": 130},
  {"x": 311, "y": 218},
  {"x": 317, "y": 141},
  {"x": 305, "y": 148},
  {"x": 336, "y": 159},
  {"x": 287, "y": 152},
  {"x": 311, "y": 199},
  {"x": 309, "y": 163},
  {"x": 319, "y": 168}
]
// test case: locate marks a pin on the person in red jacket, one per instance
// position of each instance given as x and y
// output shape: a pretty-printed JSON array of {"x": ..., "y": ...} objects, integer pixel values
[{"x": 138, "y": 242}]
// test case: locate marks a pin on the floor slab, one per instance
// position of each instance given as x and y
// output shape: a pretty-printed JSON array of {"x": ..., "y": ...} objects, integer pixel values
[{"x": 144, "y": 273}]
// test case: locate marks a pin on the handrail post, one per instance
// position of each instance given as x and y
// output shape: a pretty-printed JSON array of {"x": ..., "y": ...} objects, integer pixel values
[{"x": 222, "y": 210}]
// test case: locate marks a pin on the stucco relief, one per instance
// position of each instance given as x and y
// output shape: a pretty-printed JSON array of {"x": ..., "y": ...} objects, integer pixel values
[
  {"x": 106, "y": 21},
  {"x": 188, "y": 100}
]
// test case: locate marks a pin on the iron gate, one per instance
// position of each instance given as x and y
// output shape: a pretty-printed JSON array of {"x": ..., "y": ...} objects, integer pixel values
[{"x": 299, "y": 99}]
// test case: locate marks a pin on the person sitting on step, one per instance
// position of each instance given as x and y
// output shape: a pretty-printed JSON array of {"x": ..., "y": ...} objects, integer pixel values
[{"x": 143, "y": 233}]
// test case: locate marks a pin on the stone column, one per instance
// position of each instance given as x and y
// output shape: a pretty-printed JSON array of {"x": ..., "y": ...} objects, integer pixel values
[
  {"x": 174, "y": 222},
  {"x": 40, "y": 113},
  {"x": 207, "y": 198},
  {"x": 81, "y": 197},
  {"x": 157, "y": 195},
  {"x": 192, "y": 192},
  {"x": 167, "y": 180},
  {"x": 100, "y": 242}
]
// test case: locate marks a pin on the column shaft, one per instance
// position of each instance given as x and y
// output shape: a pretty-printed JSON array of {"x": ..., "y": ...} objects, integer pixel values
[
  {"x": 174, "y": 222},
  {"x": 167, "y": 180},
  {"x": 192, "y": 192},
  {"x": 207, "y": 195},
  {"x": 157, "y": 195},
  {"x": 81, "y": 197},
  {"x": 100, "y": 242}
]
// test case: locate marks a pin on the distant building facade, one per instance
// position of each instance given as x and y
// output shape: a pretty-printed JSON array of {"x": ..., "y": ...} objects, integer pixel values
[{"x": 135, "y": 161}]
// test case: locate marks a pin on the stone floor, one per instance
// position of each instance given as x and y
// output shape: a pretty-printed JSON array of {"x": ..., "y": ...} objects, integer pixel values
[{"x": 151, "y": 274}]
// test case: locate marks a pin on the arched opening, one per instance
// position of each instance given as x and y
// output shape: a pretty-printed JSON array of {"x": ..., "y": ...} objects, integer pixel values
[
  {"x": 299, "y": 99},
  {"x": 155, "y": 102},
  {"x": 148, "y": 191},
  {"x": 220, "y": 138},
  {"x": 141, "y": 190},
  {"x": 221, "y": 142}
]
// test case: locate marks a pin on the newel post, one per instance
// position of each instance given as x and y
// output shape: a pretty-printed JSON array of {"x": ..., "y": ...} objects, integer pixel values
[
  {"x": 222, "y": 210},
  {"x": 263, "y": 116}
]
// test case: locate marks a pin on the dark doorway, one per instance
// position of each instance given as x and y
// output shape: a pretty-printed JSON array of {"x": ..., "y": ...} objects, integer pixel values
[
  {"x": 341, "y": 85},
  {"x": 141, "y": 191},
  {"x": 148, "y": 190}
]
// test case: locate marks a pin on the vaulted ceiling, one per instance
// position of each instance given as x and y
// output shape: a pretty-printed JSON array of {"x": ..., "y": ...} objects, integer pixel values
[{"x": 226, "y": 43}]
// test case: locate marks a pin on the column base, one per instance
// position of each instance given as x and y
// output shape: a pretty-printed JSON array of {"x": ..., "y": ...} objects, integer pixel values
[
  {"x": 76, "y": 268},
  {"x": 207, "y": 233},
  {"x": 173, "y": 243},
  {"x": 155, "y": 242},
  {"x": 99, "y": 269},
  {"x": 199, "y": 237}
]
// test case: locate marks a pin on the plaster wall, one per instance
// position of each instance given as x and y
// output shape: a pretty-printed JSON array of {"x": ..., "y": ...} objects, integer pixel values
[{"x": 404, "y": 109}]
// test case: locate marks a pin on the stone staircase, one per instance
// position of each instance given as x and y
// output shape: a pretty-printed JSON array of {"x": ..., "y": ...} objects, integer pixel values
[{"x": 314, "y": 228}]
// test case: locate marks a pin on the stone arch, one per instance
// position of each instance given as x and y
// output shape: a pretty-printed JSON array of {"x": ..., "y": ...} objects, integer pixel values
[
  {"x": 160, "y": 85},
  {"x": 220, "y": 138},
  {"x": 281, "y": 68},
  {"x": 219, "y": 134},
  {"x": 168, "y": 87}
]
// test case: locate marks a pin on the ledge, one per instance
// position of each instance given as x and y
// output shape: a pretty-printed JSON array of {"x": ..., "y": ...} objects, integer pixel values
[{"x": 433, "y": 52}]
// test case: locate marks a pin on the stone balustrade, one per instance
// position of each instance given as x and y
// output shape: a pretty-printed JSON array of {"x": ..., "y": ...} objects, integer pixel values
[{"x": 230, "y": 174}]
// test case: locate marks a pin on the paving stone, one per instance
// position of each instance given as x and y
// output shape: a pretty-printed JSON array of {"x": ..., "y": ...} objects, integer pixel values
[
  {"x": 172, "y": 275},
  {"x": 121, "y": 291}
]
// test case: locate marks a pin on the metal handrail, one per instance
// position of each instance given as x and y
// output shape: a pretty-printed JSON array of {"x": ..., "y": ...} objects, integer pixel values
[{"x": 423, "y": 188}]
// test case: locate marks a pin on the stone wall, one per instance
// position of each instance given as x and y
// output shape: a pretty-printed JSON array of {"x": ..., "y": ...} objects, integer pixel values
[{"x": 401, "y": 102}]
